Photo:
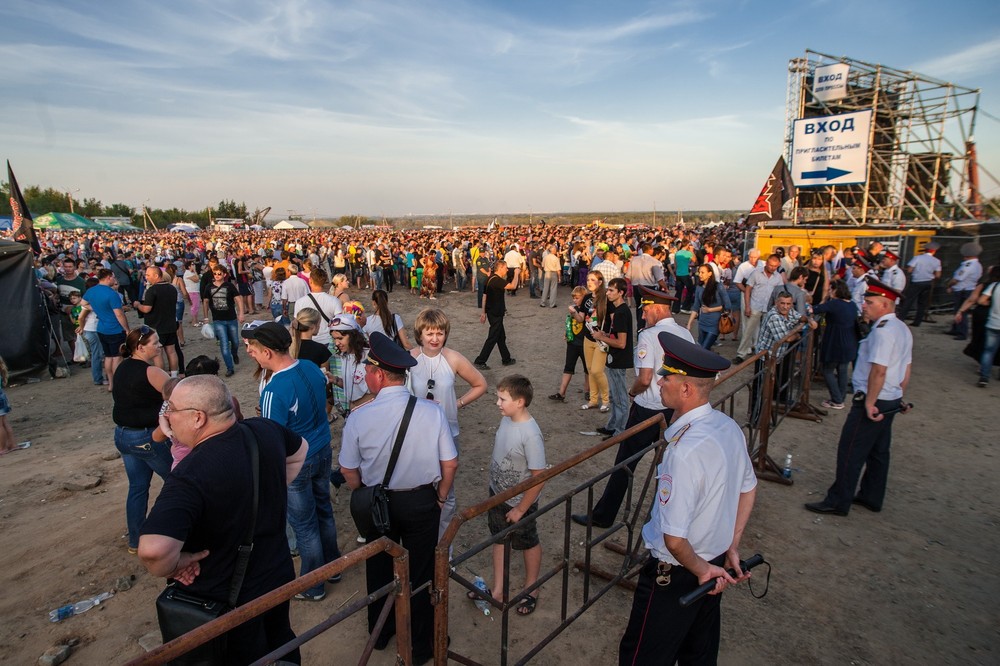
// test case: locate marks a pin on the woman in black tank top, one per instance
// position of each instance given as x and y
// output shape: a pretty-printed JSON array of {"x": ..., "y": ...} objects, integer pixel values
[{"x": 138, "y": 398}]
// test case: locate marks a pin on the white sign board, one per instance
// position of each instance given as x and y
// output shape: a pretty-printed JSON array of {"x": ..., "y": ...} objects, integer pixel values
[
  {"x": 831, "y": 150},
  {"x": 830, "y": 82}
]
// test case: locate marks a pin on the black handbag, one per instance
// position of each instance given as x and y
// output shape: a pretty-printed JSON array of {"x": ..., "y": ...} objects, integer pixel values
[
  {"x": 178, "y": 611},
  {"x": 370, "y": 504}
]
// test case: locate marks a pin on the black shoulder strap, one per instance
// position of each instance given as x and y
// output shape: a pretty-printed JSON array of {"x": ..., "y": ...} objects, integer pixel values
[
  {"x": 400, "y": 434},
  {"x": 243, "y": 559},
  {"x": 321, "y": 313}
]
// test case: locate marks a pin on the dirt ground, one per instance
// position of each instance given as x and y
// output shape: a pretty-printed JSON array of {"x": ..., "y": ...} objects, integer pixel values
[{"x": 913, "y": 584}]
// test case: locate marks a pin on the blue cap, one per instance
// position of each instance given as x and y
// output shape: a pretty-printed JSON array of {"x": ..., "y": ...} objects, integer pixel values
[{"x": 386, "y": 354}]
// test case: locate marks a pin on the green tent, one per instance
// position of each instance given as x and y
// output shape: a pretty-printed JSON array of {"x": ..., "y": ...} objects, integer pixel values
[{"x": 64, "y": 221}]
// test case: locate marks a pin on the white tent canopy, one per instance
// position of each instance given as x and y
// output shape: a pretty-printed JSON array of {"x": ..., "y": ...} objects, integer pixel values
[{"x": 291, "y": 224}]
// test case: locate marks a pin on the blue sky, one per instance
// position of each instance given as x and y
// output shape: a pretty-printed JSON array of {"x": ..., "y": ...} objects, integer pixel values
[{"x": 381, "y": 107}]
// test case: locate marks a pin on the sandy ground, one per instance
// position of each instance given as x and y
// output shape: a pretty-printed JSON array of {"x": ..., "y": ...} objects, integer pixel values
[{"x": 913, "y": 584}]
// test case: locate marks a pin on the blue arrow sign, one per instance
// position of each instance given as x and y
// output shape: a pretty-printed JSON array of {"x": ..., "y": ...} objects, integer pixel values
[{"x": 828, "y": 174}]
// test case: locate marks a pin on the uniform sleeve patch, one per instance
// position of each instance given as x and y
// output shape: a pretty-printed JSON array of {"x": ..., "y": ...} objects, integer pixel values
[
  {"x": 641, "y": 352},
  {"x": 666, "y": 486}
]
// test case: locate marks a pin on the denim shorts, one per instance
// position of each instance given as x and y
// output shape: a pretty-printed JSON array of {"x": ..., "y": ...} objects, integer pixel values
[{"x": 4, "y": 403}]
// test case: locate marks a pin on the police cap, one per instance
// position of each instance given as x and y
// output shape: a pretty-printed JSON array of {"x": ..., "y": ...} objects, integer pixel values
[
  {"x": 386, "y": 354},
  {"x": 681, "y": 357}
]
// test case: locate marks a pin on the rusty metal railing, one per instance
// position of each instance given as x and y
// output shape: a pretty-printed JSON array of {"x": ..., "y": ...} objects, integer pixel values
[
  {"x": 400, "y": 602},
  {"x": 447, "y": 568}
]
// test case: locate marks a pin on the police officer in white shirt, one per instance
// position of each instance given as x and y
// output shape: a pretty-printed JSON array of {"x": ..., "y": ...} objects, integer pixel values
[
  {"x": 961, "y": 285},
  {"x": 419, "y": 486},
  {"x": 881, "y": 373},
  {"x": 923, "y": 269},
  {"x": 704, "y": 495},
  {"x": 892, "y": 274},
  {"x": 646, "y": 401}
]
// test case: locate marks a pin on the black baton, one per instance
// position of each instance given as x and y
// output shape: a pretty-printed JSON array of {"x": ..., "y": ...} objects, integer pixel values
[
  {"x": 903, "y": 407},
  {"x": 708, "y": 586}
]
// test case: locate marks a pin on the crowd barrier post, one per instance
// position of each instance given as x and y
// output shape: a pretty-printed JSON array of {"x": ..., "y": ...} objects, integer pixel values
[{"x": 803, "y": 408}]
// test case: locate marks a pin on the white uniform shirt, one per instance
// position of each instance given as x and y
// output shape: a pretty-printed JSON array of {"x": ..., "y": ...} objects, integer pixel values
[
  {"x": 924, "y": 267},
  {"x": 858, "y": 287},
  {"x": 705, "y": 469},
  {"x": 649, "y": 354},
  {"x": 370, "y": 432},
  {"x": 967, "y": 275},
  {"x": 895, "y": 277},
  {"x": 890, "y": 343}
]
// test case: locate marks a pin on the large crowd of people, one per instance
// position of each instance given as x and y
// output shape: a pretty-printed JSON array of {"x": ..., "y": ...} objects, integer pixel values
[{"x": 312, "y": 311}]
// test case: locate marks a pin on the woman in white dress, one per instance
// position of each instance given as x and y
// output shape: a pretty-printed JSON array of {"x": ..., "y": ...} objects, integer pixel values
[{"x": 433, "y": 378}]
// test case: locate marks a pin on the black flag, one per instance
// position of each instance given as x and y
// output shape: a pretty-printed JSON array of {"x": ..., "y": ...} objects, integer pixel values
[
  {"x": 23, "y": 229},
  {"x": 776, "y": 191}
]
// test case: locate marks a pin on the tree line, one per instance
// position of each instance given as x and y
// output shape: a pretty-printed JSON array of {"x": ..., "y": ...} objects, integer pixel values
[{"x": 50, "y": 200}]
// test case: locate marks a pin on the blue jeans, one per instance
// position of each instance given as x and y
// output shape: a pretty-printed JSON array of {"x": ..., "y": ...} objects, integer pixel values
[
  {"x": 275, "y": 309},
  {"x": 836, "y": 375},
  {"x": 142, "y": 456},
  {"x": 619, "y": 399},
  {"x": 707, "y": 338},
  {"x": 990, "y": 345},
  {"x": 227, "y": 332},
  {"x": 311, "y": 514},
  {"x": 96, "y": 356}
]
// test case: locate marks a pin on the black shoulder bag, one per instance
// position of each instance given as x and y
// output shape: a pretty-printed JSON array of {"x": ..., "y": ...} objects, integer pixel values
[
  {"x": 321, "y": 313},
  {"x": 179, "y": 611},
  {"x": 370, "y": 504}
]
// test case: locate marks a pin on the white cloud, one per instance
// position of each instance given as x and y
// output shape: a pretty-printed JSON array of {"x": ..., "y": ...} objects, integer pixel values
[{"x": 978, "y": 59}]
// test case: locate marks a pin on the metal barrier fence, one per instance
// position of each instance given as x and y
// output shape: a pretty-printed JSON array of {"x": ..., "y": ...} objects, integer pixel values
[
  {"x": 447, "y": 568},
  {"x": 777, "y": 387},
  {"x": 400, "y": 601}
]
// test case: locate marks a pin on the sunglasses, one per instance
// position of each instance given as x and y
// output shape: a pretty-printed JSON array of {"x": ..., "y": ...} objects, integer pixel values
[
  {"x": 430, "y": 389},
  {"x": 144, "y": 333}
]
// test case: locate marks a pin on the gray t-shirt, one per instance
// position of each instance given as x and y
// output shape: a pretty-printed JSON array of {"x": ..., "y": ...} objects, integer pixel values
[{"x": 518, "y": 448}]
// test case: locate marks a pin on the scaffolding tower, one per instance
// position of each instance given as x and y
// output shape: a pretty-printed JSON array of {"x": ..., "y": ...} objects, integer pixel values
[{"x": 922, "y": 165}]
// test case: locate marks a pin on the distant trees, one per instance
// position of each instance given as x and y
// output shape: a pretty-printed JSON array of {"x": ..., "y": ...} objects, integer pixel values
[
  {"x": 50, "y": 200},
  {"x": 231, "y": 209}
]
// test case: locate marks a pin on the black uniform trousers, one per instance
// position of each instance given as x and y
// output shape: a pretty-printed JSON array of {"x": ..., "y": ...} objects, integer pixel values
[
  {"x": 915, "y": 294},
  {"x": 414, "y": 516},
  {"x": 497, "y": 337},
  {"x": 606, "y": 509},
  {"x": 863, "y": 444},
  {"x": 660, "y": 631}
]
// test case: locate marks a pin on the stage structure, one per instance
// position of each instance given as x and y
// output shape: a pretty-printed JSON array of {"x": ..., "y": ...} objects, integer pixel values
[{"x": 869, "y": 144}]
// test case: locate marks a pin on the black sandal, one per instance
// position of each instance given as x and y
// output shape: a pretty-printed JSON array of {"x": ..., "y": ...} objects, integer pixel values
[
  {"x": 558, "y": 396},
  {"x": 527, "y": 607}
]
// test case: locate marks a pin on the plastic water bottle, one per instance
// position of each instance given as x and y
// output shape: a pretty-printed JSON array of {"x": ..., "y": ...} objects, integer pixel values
[
  {"x": 482, "y": 604},
  {"x": 787, "y": 471},
  {"x": 63, "y": 612}
]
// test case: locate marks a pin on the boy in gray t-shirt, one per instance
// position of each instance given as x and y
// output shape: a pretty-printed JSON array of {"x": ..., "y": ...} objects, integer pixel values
[{"x": 518, "y": 454}]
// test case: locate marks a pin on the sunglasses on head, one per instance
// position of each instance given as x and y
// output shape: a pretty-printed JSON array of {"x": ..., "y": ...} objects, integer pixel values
[{"x": 144, "y": 332}]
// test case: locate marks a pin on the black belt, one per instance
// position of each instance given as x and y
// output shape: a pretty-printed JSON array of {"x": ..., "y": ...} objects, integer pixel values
[
  {"x": 661, "y": 572},
  {"x": 426, "y": 486}
]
